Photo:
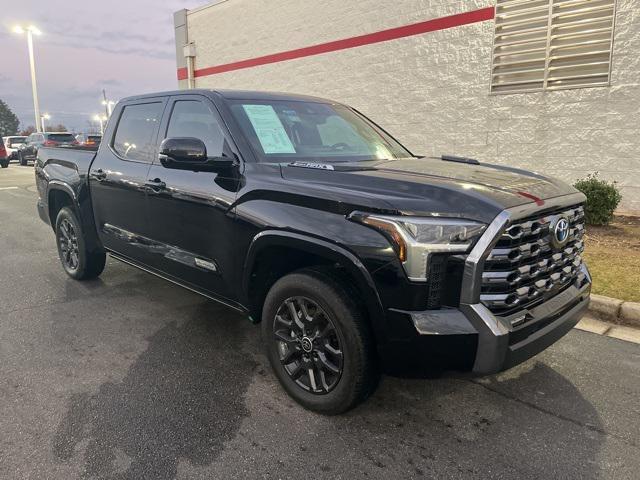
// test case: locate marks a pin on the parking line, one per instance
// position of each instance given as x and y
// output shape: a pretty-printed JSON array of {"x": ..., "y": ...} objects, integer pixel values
[{"x": 9, "y": 188}]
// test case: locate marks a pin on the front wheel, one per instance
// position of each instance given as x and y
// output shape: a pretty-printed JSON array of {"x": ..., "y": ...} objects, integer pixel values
[
  {"x": 77, "y": 261},
  {"x": 318, "y": 342}
]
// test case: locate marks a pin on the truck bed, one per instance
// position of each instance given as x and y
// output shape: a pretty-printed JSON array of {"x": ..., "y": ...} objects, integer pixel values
[{"x": 61, "y": 159}]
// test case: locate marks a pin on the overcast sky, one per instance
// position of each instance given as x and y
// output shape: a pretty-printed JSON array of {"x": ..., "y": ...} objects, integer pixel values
[{"x": 124, "y": 46}]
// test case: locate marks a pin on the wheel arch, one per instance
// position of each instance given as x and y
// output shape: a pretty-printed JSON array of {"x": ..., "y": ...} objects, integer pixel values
[
  {"x": 60, "y": 195},
  {"x": 317, "y": 252}
]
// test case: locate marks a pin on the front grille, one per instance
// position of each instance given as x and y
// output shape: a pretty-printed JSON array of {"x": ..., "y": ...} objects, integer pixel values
[{"x": 524, "y": 269}]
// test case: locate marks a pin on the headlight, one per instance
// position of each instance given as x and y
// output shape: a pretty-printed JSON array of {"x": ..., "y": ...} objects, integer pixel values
[{"x": 415, "y": 238}]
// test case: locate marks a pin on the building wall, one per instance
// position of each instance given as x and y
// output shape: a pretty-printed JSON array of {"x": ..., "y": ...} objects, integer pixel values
[{"x": 431, "y": 90}]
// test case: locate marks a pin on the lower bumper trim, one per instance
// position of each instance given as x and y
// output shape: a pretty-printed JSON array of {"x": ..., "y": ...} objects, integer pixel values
[{"x": 546, "y": 336}]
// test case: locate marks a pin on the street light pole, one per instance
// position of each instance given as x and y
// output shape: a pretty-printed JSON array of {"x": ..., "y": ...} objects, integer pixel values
[
  {"x": 44, "y": 117},
  {"x": 30, "y": 31},
  {"x": 108, "y": 106},
  {"x": 101, "y": 119},
  {"x": 32, "y": 64}
]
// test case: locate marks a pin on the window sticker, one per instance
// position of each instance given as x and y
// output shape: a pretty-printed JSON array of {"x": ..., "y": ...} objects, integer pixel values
[{"x": 268, "y": 127}]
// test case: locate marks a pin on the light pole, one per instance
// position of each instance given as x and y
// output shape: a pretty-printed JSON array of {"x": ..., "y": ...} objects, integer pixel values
[
  {"x": 31, "y": 31},
  {"x": 101, "y": 119},
  {"x": 43, "y": 117},
  {"x": 109, "y": 104}
]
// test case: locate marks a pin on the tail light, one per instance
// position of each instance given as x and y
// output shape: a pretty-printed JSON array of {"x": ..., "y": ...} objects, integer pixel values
[
  {"x": 50, "y": 143},
  {"x": 75, "y": 142}
]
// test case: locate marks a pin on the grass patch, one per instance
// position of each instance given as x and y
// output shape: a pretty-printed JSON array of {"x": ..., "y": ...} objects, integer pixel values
[{"x": 612, "y": 254}]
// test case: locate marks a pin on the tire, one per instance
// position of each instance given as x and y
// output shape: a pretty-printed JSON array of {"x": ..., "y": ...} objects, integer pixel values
[
  {"x": 21, "y": 159},
  {"x": 4, "y": 163},
  {"x": 349, "y": 334},
  {"x": 77, "y": 261}
]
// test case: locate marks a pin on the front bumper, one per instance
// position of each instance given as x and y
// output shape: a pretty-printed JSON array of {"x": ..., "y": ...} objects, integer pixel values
[{"x": 471, "y": 338}]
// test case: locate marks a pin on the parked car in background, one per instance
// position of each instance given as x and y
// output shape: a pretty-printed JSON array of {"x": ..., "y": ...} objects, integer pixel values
[
  {"x": 356, "y": 254},
  {"x": 12, "y": 144},
  {"x": 89, "y": 139},
  {"x": 4, "y": 159},
  {"x": 29, "y": 150}
]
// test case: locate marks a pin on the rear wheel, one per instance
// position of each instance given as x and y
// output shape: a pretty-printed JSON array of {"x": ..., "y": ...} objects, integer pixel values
[
  {"x": 21, "y": 159},
  {"x": 4, "y": 163},
  {"x": 77, "y": 261},
  {"x": 318, "y": 342}
]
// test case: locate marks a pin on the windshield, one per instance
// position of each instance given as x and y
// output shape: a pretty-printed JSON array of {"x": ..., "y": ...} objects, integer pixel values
[
  {"x": 287, "y": 130},
  {"x": 16, "y": 141}
]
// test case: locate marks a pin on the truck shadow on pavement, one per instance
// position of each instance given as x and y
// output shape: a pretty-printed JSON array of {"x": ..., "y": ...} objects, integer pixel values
[
  {"x": 181, "y": 399},
  {"x": 185, "y": 398},
  {"x": 529, "y": 422}
]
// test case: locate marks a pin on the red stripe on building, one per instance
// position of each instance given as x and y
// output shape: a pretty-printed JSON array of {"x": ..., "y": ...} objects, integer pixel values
[{"x": 352, "y": 42}]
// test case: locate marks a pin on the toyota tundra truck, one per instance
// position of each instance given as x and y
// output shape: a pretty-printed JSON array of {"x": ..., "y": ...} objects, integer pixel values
[{"x": 355, "y": 255}]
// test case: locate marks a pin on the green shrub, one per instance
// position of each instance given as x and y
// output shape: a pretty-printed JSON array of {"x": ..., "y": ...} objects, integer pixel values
[{"x": 602, "y": 199}]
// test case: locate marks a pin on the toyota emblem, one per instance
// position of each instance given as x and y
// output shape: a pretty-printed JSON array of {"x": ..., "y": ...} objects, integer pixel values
[{"x": 559, "y": 232}]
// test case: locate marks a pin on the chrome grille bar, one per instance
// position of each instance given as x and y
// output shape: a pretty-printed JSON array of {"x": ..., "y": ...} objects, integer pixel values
[{"x": 524, "y": 268}]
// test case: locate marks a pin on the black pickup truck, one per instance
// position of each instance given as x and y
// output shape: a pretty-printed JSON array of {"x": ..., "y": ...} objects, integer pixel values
[{"x": 356, "y": 256}]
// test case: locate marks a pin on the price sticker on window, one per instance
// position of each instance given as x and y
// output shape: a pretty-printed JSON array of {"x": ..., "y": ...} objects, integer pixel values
[{"x": 268, "y": 127}]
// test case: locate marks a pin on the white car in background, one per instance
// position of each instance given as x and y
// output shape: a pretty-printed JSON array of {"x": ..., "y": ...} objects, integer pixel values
[{"x": 12, "y": 144}]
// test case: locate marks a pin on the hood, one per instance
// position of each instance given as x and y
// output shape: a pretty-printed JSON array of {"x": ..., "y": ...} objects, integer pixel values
[{"x": 428, "y": 186}]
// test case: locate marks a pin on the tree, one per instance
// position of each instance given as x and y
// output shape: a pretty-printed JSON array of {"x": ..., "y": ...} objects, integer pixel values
[
  {"x": 8, "y": 120},
  {"x": 28, "y": 131},
  {"x": 57, "y": 128}
]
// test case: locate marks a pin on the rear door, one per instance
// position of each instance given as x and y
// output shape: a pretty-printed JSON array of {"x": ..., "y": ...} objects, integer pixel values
[
  {"x": 190, "y": 213},
  {"x": 118, "y": 174}
]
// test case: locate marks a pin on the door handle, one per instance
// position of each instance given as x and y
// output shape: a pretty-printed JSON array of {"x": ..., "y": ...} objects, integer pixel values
[
  {"x": 100, "y": 175},
  {"x": 155, "y": 184}
]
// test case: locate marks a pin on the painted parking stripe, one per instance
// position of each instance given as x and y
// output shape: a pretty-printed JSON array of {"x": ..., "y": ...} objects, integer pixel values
[{"x": 9, "y": 188}]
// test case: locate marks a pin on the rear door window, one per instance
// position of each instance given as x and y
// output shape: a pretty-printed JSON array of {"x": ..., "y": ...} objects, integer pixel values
[
  {"x": 61, "y": 137},
  {"x": 136, "y": 131}
]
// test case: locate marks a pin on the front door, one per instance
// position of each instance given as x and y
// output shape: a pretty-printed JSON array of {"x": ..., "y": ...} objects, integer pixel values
[
  {"x": 190, "y": 213},
  {"x": 117, "y": 178}
]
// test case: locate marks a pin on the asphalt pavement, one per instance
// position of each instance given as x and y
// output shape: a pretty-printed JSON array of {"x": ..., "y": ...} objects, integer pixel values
[{"x": 131, "y": 377}]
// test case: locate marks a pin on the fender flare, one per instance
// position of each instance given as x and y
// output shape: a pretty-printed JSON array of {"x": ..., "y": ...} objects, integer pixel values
[
  {"x": 325, "y": 249},
  {"x": 63, "y": 187},
  {"x": 85, "y": 216}
]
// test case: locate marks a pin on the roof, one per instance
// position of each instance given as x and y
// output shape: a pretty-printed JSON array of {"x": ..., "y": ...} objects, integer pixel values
[{"x": 235, "y": 95}]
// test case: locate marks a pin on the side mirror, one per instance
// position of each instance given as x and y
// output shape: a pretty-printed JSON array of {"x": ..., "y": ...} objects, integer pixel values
[{"x": 187, "y": 153}]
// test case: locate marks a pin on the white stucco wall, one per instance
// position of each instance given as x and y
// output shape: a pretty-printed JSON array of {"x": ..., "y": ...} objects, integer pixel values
[{"x": 431, "y": 91}]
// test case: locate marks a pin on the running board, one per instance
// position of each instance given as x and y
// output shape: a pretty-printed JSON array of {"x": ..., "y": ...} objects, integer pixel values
[{"x": 147, "y": 270}]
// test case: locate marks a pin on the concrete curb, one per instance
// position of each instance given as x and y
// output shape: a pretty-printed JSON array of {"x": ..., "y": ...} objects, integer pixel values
[
  {"x": 606, "y": 329},
  {"x": 615, "y": 311}
]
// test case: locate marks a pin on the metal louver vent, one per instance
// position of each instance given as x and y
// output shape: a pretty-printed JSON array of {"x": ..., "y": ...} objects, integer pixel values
[{"x": 551, "y": 44}]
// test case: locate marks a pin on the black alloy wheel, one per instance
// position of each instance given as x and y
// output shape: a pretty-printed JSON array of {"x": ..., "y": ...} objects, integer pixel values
[
  {"x": 318, "y": 340},
  {"x": 78, "y": 261},
  {"x": 308, "y": 345},
  {"x": 68, "y": 241}
]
